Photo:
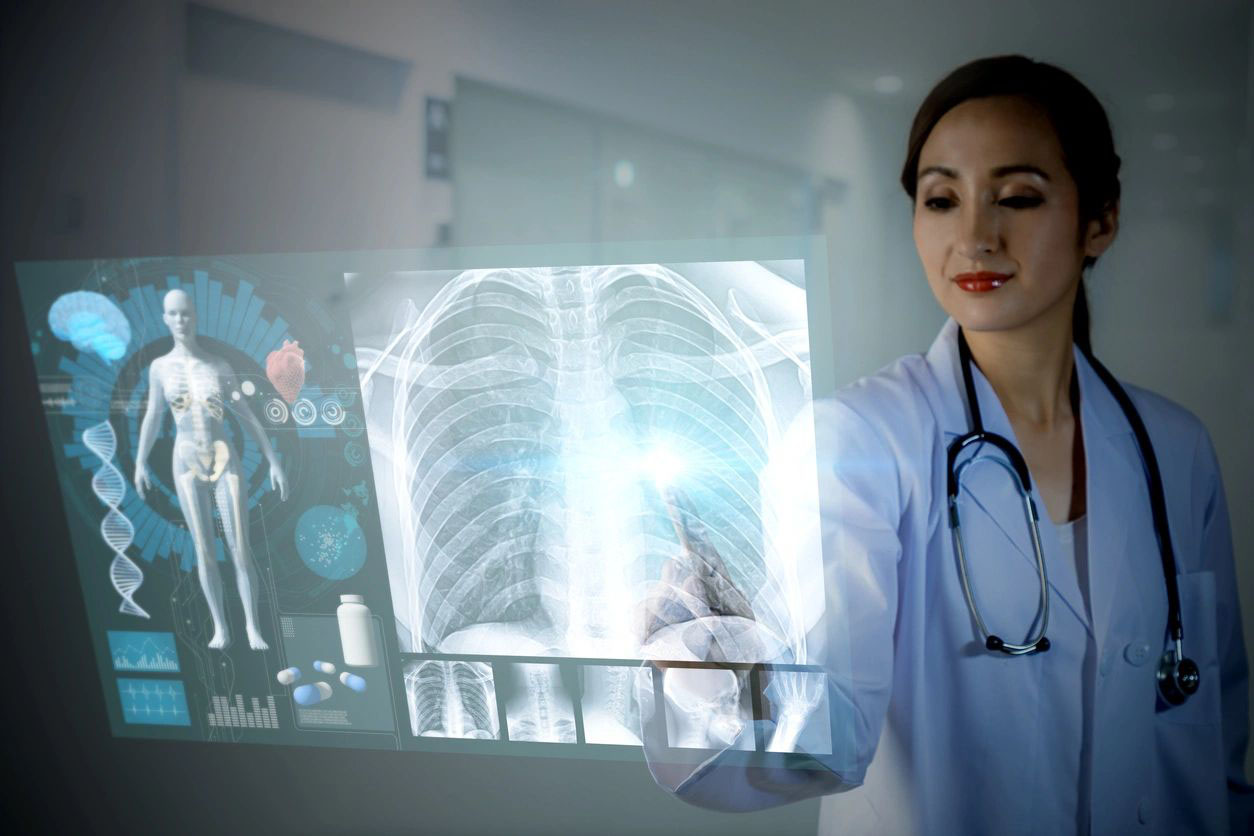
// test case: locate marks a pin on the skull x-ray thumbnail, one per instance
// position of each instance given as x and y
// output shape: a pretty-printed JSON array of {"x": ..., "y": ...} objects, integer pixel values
[
  {"x": 538, "y": 703},
  {"x": 708, "y": 708},
  {"x": 525, "y": 424},
  {"x": 452, "y": 699}
]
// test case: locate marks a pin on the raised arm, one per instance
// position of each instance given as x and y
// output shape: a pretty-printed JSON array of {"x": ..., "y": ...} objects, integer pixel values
[
  {"x": 855, "y": 515},
  {"x": 149, "y": 426}
]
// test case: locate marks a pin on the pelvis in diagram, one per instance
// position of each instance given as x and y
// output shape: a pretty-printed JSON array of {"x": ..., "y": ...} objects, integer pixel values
[{"x": 530, "y": 424}]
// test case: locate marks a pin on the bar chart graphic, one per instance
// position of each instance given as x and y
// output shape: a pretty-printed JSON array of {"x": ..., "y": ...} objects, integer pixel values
[
  {"x": 227, "y": 714},
  {"x": 147, "y": 652}
]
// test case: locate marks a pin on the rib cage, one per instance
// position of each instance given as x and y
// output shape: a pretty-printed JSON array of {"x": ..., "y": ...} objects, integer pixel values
[
  {"x": 451, "y": 699},
  {"x": 523, "y": 400}
]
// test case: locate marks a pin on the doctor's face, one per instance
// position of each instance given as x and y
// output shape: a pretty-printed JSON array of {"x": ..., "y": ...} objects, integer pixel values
[{"x": 996, "y": 217}]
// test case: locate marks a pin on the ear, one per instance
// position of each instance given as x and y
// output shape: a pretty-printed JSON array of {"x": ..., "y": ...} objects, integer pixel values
[{"x": 1101, "y": 231}]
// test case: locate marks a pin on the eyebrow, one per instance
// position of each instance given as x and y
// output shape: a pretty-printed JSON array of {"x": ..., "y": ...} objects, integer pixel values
[{"x": 1000, "y": 171}]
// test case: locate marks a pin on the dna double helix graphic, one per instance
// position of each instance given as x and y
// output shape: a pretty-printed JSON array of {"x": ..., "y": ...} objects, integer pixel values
[{"x": 115, "y": 528}]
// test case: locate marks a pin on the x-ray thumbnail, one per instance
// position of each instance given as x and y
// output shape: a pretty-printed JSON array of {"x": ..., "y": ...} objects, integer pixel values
[
  {"x": 797, "y": 702},
  {"x": 707, "y": 708},
  {"x": 526, "y": 425},
  {"x": 538, "y": 703},
  {"x": 611, "y": 710},
  {"x": 452, "y": 699}
]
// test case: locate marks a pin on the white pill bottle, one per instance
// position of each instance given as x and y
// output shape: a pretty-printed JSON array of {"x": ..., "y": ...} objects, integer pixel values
[{"x": 357, "y": 637}]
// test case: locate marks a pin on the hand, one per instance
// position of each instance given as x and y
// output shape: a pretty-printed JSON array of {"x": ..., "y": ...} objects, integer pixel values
[
  {"x": 142, "y": 481},
  {"x": 278, "y": 480},
  {"x": 696, "y": 585}
]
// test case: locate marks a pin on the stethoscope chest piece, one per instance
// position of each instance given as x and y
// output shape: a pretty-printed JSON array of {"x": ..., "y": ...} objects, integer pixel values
[{"x": 1178, "y": 677}]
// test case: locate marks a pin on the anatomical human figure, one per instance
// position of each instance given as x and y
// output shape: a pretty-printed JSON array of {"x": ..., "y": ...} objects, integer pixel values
[{"x": 196, "y": 386}]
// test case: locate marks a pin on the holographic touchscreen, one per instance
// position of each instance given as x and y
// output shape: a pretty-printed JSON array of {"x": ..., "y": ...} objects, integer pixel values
[{"x": 376, "y": 500}]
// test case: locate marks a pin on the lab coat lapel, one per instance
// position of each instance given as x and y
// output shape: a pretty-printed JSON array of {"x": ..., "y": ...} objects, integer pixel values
[
  {"x": 943, "y": 357},
  {"x": 1115, "y": 490}
]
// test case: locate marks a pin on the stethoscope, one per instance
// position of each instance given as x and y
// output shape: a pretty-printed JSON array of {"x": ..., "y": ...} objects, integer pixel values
[{"x": 1178, "y": 676}]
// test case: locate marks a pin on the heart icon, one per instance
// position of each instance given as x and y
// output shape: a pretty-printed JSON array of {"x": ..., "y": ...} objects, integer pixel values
[{"x": 285, "y": 368}]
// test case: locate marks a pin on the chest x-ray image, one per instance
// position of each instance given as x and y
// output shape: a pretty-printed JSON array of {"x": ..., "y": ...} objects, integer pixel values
[
  {"x": 452, "y": 699},
  {"x": 526, "y": 424}
]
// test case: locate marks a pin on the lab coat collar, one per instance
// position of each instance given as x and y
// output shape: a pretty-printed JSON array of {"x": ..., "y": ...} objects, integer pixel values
[{"x": 1112, "y": 470}]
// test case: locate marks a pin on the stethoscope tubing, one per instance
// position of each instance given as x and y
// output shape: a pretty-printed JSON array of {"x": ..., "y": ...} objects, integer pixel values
[{"x": 1018, "y": 469}]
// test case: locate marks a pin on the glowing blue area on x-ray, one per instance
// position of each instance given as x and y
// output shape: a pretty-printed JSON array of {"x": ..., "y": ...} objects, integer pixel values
[
  {"x": 90, "y": 322},
  {"x": 330, "y": 542},
  {"x": 663, "y": 465}
]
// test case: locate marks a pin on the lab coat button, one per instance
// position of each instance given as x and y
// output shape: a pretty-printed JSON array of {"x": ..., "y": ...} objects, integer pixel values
[
  {"x": 1137, "y": 653},
  {"x": 1143, "y": 811}
]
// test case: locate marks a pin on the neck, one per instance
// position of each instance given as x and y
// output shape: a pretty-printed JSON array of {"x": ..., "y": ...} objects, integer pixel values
[
  {"x": 186, "y": 345},
  {"x": 1029, "y": 368}
]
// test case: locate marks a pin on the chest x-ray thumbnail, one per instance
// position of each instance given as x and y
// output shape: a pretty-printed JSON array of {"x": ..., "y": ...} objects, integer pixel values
[{"x": 527, "y": 426}]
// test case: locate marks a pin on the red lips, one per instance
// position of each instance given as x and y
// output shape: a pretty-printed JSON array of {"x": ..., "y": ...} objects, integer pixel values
[{"x": 981, "y": 282}]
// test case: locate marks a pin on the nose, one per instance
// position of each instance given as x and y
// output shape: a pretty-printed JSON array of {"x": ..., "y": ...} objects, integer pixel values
[{"x": 980, "y": 233}]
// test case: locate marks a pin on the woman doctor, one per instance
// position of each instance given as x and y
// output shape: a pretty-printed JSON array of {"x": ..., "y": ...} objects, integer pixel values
[{"x": 1013, "y": 176}]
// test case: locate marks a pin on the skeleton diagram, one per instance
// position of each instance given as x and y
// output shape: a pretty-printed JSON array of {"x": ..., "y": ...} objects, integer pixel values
[{"x": 194, "y": 385}]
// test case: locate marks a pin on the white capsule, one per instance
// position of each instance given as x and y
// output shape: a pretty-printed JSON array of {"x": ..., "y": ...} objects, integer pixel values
[
  {"x": 288, "y": 675},
  {"x": 353, "y": 681},
  {"x": 325, "y": 667},
  {"x": 312, "y": 694}
]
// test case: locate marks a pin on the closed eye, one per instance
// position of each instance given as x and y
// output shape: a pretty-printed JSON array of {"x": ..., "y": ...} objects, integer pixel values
[{"x": 940, "y": 204}]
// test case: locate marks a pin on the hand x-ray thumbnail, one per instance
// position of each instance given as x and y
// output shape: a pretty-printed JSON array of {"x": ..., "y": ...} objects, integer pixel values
[
  {"x": 797, "y": 702},
  {"x": 452, "y": 699},
  {"x": 526, "y": 423}
]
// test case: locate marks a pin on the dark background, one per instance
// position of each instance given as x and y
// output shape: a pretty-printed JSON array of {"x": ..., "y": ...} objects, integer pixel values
[{"x": 158, "y": 127}]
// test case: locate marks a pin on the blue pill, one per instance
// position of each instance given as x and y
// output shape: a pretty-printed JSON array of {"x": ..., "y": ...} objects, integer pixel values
[
  {"x": 353, "y": 681},
  {"x": 312, "y": 694},
  {"x": 324, "y": 667}
]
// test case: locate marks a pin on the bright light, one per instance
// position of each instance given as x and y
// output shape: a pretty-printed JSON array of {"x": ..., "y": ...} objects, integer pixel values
[
  {"x": 662, "y": 465},
  {"x": 624, "y": 174}
]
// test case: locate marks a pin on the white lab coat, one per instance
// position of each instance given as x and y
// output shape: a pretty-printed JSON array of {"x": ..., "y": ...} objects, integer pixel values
[{"x": 943, "y": 736}]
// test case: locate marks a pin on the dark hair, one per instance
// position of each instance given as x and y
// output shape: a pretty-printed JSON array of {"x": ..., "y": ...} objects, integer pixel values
[{"x": 1078, "y": 118}]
